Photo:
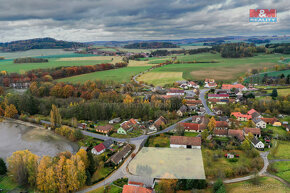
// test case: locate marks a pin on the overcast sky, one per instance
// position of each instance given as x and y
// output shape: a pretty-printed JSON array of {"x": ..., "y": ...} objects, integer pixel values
[{"x": 95, "y": 20}]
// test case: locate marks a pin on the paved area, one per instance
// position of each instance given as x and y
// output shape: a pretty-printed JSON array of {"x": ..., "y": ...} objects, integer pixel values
[{"x": 203, "y": 100}]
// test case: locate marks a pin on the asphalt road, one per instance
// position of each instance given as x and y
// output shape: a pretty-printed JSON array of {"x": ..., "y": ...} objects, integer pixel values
[{"x": 203, "y": 100}]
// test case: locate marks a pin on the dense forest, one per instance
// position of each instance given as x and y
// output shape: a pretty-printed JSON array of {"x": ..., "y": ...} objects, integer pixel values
[
  {"x": 151, "y": 45},
  {"x": 283, "y": 48},
  {"x": 38, "y": 43},
  {"x": 29, "y": 60}
]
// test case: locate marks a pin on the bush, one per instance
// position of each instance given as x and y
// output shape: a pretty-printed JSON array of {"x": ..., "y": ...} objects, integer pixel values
[
  {"x": 121, "y": 182},
  {"x": 217, "y": 185},
  {"x": 233, "y": 159},
  {"x": 3, "y": 168}
]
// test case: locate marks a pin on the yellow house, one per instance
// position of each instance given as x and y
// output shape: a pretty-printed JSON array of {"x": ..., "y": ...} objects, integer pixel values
[{"x": 277, "y": 124}]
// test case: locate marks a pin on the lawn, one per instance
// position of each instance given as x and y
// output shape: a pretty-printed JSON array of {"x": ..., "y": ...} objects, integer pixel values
[
  {"x": 283, "y": 170},
  {"x": 280, "y": 150},
  {"x": 225, "y": 69},
  {"x": 161, "y": 140},
  {"x": 160, "y": 78},
  {"x": 110, "y": 189},
  {"x": 267, "y": 184},
  {"x": 118, "y": 75},
  {"x": 7, "y": 184},
  {"x": 10, "y": 67},
  {"x": 133, "y": 133},
  {"x": 191, "y": 134},
  {"x": 281, "y": 92},
  {"x": 276, "y": 130},
  {"x": 216, "y": 164}
]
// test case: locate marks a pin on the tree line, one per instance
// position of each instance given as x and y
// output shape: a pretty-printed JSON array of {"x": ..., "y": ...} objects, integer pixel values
[
  {"x": 151, "y": 45},
  {"x": 29, "y": 60},
  {"x": 55, "y": 73}
]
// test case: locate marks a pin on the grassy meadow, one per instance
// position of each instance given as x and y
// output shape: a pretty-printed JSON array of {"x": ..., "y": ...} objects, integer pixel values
[
  {"x": 283, "y": 170},
  {"x": 281, "y": 150},
  {"x": 226, "y": 69}
]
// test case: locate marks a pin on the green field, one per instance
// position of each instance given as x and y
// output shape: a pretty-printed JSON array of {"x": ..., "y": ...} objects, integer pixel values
[
  {"x": 226, "y": 69},
  {"x": 34, "y": 53},
  {"x": 270, "y": 74},
  {"x": 281, "y": 92},
  {"x": 118, "y": 75},
  {"x": 10, "y": 67},
  {"x": 283, "y": 170},
  {"x": 280, "y": 150}
]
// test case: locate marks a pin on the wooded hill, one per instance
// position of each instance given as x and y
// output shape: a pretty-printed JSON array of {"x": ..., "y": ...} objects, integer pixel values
[
  {"x": 151, "y": 45},
  {"x": 38, "y": 43}
]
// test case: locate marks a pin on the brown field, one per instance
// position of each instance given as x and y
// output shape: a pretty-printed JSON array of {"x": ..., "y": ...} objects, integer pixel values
[{"x": 92, "y": 58}]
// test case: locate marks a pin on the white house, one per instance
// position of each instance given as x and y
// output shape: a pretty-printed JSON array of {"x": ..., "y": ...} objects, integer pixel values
[
  {"x": 185, "y": 142},
  {"x": 260, "y": 123},
  {"x": 257, "y": 143},
  {"x": 99, "y": 149}
]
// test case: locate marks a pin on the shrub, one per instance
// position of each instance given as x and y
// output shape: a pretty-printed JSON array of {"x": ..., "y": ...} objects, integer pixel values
[
  {"x": 233, "y": 159},
  {"x": 3, "y": 168},
  {"x": 217, "y": 185}
]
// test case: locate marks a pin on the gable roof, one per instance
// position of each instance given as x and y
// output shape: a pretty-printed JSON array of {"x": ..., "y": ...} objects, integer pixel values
[
  {"x": 183, "y": 108},
  {"x": 183, "y": 140},
  {"x": 117, "y": 157},
  {"x": 257, "y": 120},
  {"x": 221, "y": 124},
  {"x": 105, "y": 128},
  {"x": 160, "y": 121},
  {"x": 135, "y": 189},
  {"x": 100, "y": 147},
  {"x": 220, "y": 131},
  {"x": 128, "y": 124},
  {"x": 255, "y": 141},
  {"x": 145, "y": 181},
  {"x": 236, "y": 133},
  {"x": 108, "y": 143},
  {"x": 270, "y": 120},
  {"x": 193, "y": 126},
  {"x": 255, "y": 131},
  {"x": 250, "y": 112},
  {"x": 230, "y": 86},
  {"x": 218, "y": 95}
]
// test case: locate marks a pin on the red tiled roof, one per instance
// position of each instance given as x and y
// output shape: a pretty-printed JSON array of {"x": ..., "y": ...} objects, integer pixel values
[
  {"x": 135, "y": 189},
  {"x": 245, "y": 116},
  {"x": 236, "y": 133},
  {"x": 183, "y": 140},
  {"x": 220, "y": 131},
  {"x": 193, "y": 102},
  {"x": 218, "y": 95},
  {"x": 212, "y": 84},
  {"x": 235, "y": 114},
  {"x": 100, "y": 147},
  {"x": 270, "y": 120},
  {"x": 190, "y": 126},
  {"x": 250, "y": 112},
  {"x": 230, "y": 86},
  {"x": 105, "y": 128},
  {"x": 160, "y": 121},
  {"x": 221, "y": 124},
  {"x": 255, "y": 131},
  {"x": 209, "y": 80}
]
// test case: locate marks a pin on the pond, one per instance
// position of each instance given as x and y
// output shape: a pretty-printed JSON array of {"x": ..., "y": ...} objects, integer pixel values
[{"x": 15, "y": 136}]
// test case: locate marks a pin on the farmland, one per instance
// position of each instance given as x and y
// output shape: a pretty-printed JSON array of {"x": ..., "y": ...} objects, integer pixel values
[
  {"x": 281, "y": 150},
  {"x": 118, "y": 75},
  {"x": 283, "y": 169},
  {"x": 214, "y": 66}
]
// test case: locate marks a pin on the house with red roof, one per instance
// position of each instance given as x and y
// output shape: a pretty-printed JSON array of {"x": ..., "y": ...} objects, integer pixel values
[
  {"x": 127, "y": 126},
  {"x": 239, "y": 134},
  {"x": 270, "y": 121},
  {"x": 255, "y": 131},
  {"x": 221, "y": 125},
  {"x": 136, "y": 189},
  {"x": 236, "y": 86},
  {"x": 193, "y": 127},
  {"x": 185, "y": 142},
  {"x": 99, "y": 149},
  {"x": 220, "y": 132},
  {"x": 241, "y": 117},
  {"x": 175, "y": 92},
  {"x": 254, "y": 113}
]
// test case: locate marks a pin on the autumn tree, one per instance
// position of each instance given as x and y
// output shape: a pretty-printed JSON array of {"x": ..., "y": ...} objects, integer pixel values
[
  {"x": 211, "y": 124},
  {"x": 179, "y": 130},
  {"x": 43, "y": 166},
  {"x": 74, "y": 122},
  {"x": 250, "y": 124},
  {"x": 250, "y": 136},
  {"x": 128, "y": 99},
  {"x": 83, "y": 156},
  {"x": 168, "y": 185},
  {"x": 246, "y": 145},
  {"x": 55, "y": 117},
  {"x": 10, "y": 111}
]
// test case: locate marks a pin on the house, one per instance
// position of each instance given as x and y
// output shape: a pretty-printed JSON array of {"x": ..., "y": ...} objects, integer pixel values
[
  {"x": 192, "y": 84},
  {"x": 208, "y": 80},
  {"x": 99, "y": 149},
  {"x": 141, "y": 181},
  {"x": 221, "y": 125},
  {"x": 241, "y": 117},
  {"x": 255, "y": 131},
  {"x": 224, "y": 118},
  {"x": 210, "y": 85},
  {"x": 193, "y": 127},
  {"x": 175, "y": 92},
  {"x": 277, "y": 124},
  {"x": 182, "y": 110},
  {"x": 254, "y": 113},
  {"x": 158, "y": 124},
  {"x": 230, "y": 156},
  {"x": 105, "y": 129},
  {"x": 236, "y": 134},
  {"x": 183, "y": 86},
  {"x": 240, "y": 87},
  {"x": 220, "y": 132},
  {"x": 217, "y": 111},
  {"x": 185, "y": 142},
  {"x": 136, "y": 189},
  {"x": 127, "y": 126},
  {"x": 108, "y": 143},
  {"x": 121, "y": 155},
  {"x": 218, "y": 96},
  {"x": 270, "y": 121},
  {"x": 200, "y": 119},
  {"x": 260, "y": 123},
  {"x": 116, "y": 120},
  {"x": 257, "y": 143}
]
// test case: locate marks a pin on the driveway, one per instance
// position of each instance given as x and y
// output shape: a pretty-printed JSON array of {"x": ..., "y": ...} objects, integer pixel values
[{"x": 203, "y": 100}]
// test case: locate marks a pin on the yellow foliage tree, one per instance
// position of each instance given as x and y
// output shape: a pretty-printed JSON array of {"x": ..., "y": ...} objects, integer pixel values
[
  {"x": 43, "y": 166},
  {"x": 211, "y": 124},
  {"x": 55, "y": 117},
  {"x": 128, "y": 99},
  {"x": 10, "y": 111}
]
